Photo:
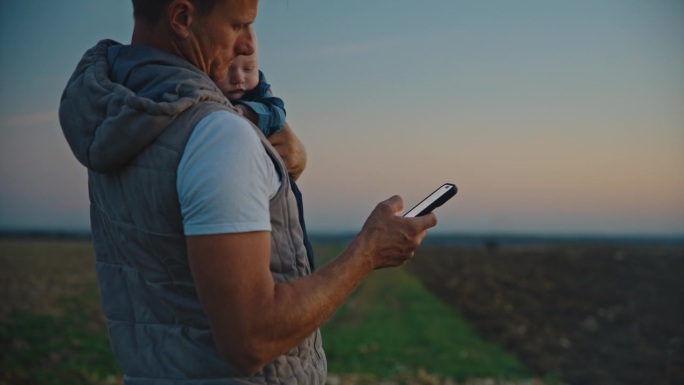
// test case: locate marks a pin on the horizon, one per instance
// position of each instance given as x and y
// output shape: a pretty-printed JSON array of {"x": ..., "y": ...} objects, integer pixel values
[{"x": 350, "y": 233}]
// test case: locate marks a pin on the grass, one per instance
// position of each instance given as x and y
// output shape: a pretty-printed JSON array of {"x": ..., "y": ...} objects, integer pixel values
[
  {"x": 51, "y": 326},
  {"x": 52, "y": 331},
  {"x": 391, "y": 326},
  {"x": 51, "y": 350}
]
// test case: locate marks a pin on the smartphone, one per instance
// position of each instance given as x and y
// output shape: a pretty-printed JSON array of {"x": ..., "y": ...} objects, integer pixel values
[{"x": 434, "y": 200}]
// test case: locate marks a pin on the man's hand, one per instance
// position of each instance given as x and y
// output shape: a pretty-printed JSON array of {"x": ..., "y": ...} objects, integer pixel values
[
  {"x": 291, "y": 150},
  {"x": 391, "y": 240}
]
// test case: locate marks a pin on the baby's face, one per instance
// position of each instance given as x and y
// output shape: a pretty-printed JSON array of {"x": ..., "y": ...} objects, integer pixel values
[{"x": 243, "y": 75}]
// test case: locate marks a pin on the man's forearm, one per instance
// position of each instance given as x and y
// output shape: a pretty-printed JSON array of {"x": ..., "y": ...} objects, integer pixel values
[
  {"x": 300, "y": 307},
  {"x": 253, "y": 319}
]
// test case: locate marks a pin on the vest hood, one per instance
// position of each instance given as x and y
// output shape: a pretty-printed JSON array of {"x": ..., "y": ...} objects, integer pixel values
[{"x": 120, "y": 98}]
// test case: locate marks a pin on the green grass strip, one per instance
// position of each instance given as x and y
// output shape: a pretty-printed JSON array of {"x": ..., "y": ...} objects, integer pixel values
[{"x": 391, "y": 325}]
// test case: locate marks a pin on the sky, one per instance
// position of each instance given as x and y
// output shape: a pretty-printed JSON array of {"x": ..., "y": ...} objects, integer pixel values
[{"x": 551, "y": 117}]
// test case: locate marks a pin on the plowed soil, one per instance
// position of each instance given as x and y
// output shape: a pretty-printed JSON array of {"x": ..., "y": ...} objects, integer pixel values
[{"x": 586, "y": 314}]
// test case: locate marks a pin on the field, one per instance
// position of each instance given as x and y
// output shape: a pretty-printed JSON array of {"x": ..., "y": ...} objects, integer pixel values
[
  {"x": 601, "y": 314},
  {"x": 580, "y": 315}
]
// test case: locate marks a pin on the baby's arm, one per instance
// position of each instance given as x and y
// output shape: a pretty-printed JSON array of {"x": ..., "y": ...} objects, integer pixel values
[
  {"x": 286, "y": 143},
  {"x": 279, "y": 133},
  {"x": 262, "y": 108},
  {"x": 267, "y": 113},
  {"x": 248, "y": 113}
]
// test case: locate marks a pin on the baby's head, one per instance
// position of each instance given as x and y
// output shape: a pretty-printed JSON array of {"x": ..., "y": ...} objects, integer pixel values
[{"x": 243, "y": 76}]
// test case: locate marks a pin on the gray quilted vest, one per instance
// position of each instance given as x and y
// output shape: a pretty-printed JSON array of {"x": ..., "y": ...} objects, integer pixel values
[{"x": 127, "y": 113}]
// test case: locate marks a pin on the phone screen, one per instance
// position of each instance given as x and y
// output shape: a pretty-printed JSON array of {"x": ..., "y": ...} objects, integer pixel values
[{"x": 434, "y": 200}]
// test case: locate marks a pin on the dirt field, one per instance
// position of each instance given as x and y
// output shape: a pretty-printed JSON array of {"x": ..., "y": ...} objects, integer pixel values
[
  {"x": 36, "y": 273},
  {"x": 591, "y": 315}
]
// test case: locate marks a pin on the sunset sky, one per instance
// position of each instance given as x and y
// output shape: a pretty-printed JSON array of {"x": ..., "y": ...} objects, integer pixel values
[{"x": 552, "y": 117}]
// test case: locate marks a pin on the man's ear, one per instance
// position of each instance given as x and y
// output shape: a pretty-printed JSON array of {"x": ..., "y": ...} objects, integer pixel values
[{"x": 179, "y": 15}]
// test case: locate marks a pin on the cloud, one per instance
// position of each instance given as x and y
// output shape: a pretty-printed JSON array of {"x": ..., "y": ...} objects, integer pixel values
[{"x": 32, "y": 119}]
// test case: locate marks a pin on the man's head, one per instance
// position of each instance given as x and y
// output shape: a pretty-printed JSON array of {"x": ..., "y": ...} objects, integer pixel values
[
  {"x": 207, "y": 33},
  {"x": 243, "y": 75},
  {"x": 152, "y": 10}
]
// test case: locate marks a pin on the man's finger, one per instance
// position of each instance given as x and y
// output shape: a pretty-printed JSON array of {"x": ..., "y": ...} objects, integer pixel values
[
  {"x": 427, "y": 220},
  {"x": 395, "y": 204}
]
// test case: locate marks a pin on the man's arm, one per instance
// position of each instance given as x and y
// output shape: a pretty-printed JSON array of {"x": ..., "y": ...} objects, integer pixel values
[
  {"x": 291, "y": 151},
  {"x": 254, "y": 319}
]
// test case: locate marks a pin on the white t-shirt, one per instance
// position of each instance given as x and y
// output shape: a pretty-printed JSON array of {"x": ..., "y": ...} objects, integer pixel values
[{"x": 225, "y": 178}]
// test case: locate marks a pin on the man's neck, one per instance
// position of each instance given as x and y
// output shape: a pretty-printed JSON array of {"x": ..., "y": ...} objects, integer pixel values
[
  {"x": 151, "y": 36},
  {"x": 157, "y": 36}
]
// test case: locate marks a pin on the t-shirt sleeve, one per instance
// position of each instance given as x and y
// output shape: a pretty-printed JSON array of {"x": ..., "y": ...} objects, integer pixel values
[{"x": 225, "y": 178}]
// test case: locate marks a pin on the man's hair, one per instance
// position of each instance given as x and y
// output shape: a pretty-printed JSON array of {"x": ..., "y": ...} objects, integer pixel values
[{"x": 152, "y": 10}]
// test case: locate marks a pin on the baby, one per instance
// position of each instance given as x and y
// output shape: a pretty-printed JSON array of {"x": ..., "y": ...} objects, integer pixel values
[{"x": 246, "y": 87}]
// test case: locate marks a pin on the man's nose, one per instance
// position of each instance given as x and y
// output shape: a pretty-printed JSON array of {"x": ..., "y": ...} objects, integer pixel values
[{"x": 246, "y": 43}]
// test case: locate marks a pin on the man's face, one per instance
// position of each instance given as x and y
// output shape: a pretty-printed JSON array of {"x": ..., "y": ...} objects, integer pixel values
[
  {"x": 243, "y": 75},
  {"x": 222, "y": 35}
]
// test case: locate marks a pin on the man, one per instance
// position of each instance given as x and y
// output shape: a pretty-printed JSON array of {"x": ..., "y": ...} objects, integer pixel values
[{"x": 203, "y": 274}]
